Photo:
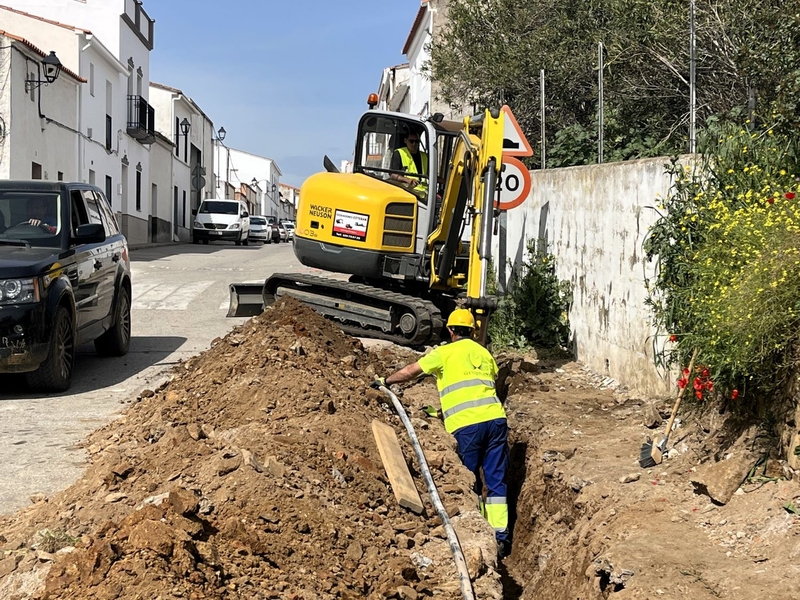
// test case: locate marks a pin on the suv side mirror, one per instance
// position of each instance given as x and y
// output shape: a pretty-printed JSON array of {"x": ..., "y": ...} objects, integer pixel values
[
  {"x": 194, "y": 212},
  {"x": 245, "y": 214},
  {"x": 91, "y": 233}
]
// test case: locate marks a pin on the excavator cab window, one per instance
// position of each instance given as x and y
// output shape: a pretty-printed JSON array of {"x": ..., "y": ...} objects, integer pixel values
[{"x": 394, "y": 150}]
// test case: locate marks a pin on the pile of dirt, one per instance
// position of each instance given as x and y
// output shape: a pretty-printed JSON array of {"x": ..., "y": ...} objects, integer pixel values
[{"x": 252, "y": 474}]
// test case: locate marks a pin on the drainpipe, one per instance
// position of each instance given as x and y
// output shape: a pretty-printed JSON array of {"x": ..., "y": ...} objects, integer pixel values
[{"x": 81, "y": 144}]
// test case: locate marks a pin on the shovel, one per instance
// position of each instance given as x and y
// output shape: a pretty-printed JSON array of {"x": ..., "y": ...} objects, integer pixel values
[{"x": 651, "y": 453}]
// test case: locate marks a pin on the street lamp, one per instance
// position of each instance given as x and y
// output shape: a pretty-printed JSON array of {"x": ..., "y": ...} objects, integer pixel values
[
  {"x": 52, "y": 68},
  {"x": 218, "y": 140},
  {"x": 221, "y": 134},
  {"x": 185, "y": 125}
]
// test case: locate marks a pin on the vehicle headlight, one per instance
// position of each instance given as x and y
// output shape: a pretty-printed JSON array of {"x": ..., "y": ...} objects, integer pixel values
[
  {"x": 198, "y": 225},
  {"x": 18, "y": 291},
  {"x": 233, "y": 226}
]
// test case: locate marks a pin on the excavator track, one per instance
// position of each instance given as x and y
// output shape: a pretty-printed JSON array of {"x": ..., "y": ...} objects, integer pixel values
[{"x": 360, "y": 309}]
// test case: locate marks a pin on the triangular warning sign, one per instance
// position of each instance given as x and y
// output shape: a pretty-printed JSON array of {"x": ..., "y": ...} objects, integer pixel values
[{"x": 514, "y": 141}]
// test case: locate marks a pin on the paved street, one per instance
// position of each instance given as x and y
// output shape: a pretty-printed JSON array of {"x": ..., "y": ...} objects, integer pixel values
[{"x": 180, "y": 297}]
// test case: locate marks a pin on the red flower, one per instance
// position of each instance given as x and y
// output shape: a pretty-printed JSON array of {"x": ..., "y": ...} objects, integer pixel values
[
  {"x": 682, "y": 383},
  {"x": 699, "y": 395},
  {"x": 673, "y": 338},
  {"x": 686, "y": 371},
  {"x": 734, "y": 394},
  {"x": 704, "y": 373},
  {"x": 789, "y": 195},
  {"x": 698, "y": 385},
  {"x": 710, "y": 386},
  {"x": 770, "y": 200}
]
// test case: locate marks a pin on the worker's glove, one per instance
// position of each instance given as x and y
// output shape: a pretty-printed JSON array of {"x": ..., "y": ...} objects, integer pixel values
[
  {"x": 432, "y": 411},
  {"x": 379, "y": 383}
]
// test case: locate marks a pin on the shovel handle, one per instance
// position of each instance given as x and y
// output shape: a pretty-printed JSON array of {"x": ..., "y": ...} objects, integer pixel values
[{"x": 677, "y": 404}]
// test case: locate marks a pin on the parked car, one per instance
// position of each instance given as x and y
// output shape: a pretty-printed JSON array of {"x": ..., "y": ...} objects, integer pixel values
[
  {"x": 283, "y": 232},
  {"x": 260, "y": 231},
  {"x": 65, "y": 280},
  {"x": 221, "y": 220},
  {"x": 289, "y": 228},
  {"x": 276, "y": 232}
]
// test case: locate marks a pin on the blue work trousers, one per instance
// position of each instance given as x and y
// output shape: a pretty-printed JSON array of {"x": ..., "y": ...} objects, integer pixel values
[{"x": 485, "y": 445}]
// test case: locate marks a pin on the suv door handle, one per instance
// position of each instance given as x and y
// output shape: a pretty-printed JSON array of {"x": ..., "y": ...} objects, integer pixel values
[
  {"x": 97, "y": 265},
  {"x": 115, "y": 257}
]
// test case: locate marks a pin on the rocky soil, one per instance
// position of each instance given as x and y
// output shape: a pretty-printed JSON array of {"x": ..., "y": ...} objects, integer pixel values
[{"x": 254, "y": 474}]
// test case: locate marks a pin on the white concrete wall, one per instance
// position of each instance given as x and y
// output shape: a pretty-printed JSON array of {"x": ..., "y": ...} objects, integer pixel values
[
  {"x": 418, "y": 55},
  {"x": 594, "y": 220},
  {"x": 28, "y": 138}
]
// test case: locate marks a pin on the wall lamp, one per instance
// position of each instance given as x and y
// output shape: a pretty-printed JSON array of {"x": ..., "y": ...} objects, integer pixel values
[
  {"x": 52, "y": 68},
  {"x": 221, "y": 134},
  {"x": 185, "y": 126}
]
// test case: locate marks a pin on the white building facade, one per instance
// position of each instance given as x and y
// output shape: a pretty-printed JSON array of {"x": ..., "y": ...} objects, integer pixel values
[
  {"x": 192, "y": 159},
  {"x": 237, "y": 168},
  {"x": 107, "y": 43},
  {"x": 37, "y": 123}
]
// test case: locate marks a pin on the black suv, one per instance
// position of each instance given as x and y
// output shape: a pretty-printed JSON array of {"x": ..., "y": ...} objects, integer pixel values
[{"x": 64, "y": 279}]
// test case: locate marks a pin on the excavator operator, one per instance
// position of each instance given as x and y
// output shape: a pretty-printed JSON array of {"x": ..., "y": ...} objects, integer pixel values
[
  {"x": 465, "y": 376},
  {"x": 413, "y": 162}
]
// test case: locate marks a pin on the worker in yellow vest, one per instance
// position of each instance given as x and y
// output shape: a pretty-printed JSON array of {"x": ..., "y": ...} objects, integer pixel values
[
  {"x": 465, "y": 376},
  {"x": 412, "y": 162}
]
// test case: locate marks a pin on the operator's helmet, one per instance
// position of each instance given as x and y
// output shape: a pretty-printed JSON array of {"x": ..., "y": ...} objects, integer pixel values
[{"x": 461, "y": 317}]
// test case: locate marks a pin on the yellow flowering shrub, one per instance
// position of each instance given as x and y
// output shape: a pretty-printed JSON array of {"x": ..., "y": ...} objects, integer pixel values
[{"x": 727, "y": 244}]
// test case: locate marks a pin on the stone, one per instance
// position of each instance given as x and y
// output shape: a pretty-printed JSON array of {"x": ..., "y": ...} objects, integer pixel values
[
  {"x": 251, "y": 461},
  {"x": 155, "y": 536},
  {"x": 183, "y": 502},
  {"x": 195, "y": 431},
  {"x": 354, "y": 552},
  {"x": 114, "y": 497},
  {"x": 651, "y": 416},
  {"x": 476, "y": 564},
  {"x": 630, "y": 478},
  {"x": 405, "y": 592},
  {"x": 7, "y": 565},
  {"x": 720, "y": 480}
]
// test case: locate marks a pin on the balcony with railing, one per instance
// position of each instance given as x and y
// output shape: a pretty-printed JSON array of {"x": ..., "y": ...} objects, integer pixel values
[
  {"x": 139, "y": 21},
  {"x": 141, "y": 120}
]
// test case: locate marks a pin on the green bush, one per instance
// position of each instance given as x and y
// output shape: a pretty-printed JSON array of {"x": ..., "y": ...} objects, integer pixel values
[
  {"x": 728, "y": 249},
  {"x": 534, "y": 312}
]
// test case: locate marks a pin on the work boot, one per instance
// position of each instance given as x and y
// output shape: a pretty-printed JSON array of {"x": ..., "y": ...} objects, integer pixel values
[{"x": 503, "y": 549}]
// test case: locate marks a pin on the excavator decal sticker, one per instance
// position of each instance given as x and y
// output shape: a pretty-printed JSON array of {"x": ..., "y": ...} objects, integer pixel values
[{"x": 350, "y": 226}]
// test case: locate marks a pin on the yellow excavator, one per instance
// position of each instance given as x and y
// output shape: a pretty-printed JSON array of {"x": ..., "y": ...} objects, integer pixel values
[{"x": 416, "y": 246}]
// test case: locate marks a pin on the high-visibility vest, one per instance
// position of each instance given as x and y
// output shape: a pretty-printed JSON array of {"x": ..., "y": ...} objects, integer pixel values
[
  {"x": 465, "y": 374},
  {"x": 411, "y": 167}
]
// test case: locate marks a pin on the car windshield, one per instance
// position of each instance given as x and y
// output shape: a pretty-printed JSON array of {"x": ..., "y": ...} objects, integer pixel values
[
  {"x": 258, "y": 221},
  {"x": 218, "y": 207},
  {"x": 289, "y": 225},
  {"x": 30, "y": 217}
]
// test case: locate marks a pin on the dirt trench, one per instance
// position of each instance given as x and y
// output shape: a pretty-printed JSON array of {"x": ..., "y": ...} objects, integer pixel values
[{"x": 589, "y": 523}]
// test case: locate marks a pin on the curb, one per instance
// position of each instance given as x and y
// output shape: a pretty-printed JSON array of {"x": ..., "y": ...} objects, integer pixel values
[{"x": 132, "y": 247}]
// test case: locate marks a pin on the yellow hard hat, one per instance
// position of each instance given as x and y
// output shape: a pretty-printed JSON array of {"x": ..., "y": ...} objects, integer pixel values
[{"x": 461, "y": 317}]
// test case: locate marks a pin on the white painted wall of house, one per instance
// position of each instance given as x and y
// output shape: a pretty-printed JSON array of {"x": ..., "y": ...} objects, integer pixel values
[
  {"x": 244, "y": 167},
  {"x": 28, "y": 138},
  {"x": 418, "y": 55}
]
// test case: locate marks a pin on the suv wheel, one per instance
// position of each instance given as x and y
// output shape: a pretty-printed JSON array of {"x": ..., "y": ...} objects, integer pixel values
[
  {"x": 55, "y": 373},
  {"x": 117, "y": 340}
]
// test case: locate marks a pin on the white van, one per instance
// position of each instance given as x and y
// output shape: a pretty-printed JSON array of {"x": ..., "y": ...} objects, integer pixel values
[{"x": 221, "y": 220}]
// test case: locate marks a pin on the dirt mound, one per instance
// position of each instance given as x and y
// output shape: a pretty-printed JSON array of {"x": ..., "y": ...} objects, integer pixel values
[{"x": 252, "y": 474}]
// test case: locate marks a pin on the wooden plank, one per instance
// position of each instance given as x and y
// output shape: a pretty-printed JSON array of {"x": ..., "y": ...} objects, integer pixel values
[{"x": 396, "y": 468}]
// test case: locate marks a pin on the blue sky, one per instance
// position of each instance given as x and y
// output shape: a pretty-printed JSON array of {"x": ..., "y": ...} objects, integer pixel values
[{"x": 287, "y": 80}]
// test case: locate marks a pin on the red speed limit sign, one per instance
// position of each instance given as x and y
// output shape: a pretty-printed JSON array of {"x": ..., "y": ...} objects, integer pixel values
[{"x": 516, "y": 183}]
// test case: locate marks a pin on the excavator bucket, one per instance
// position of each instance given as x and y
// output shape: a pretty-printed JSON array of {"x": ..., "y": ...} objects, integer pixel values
[{"x": 247, "y": 299}]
